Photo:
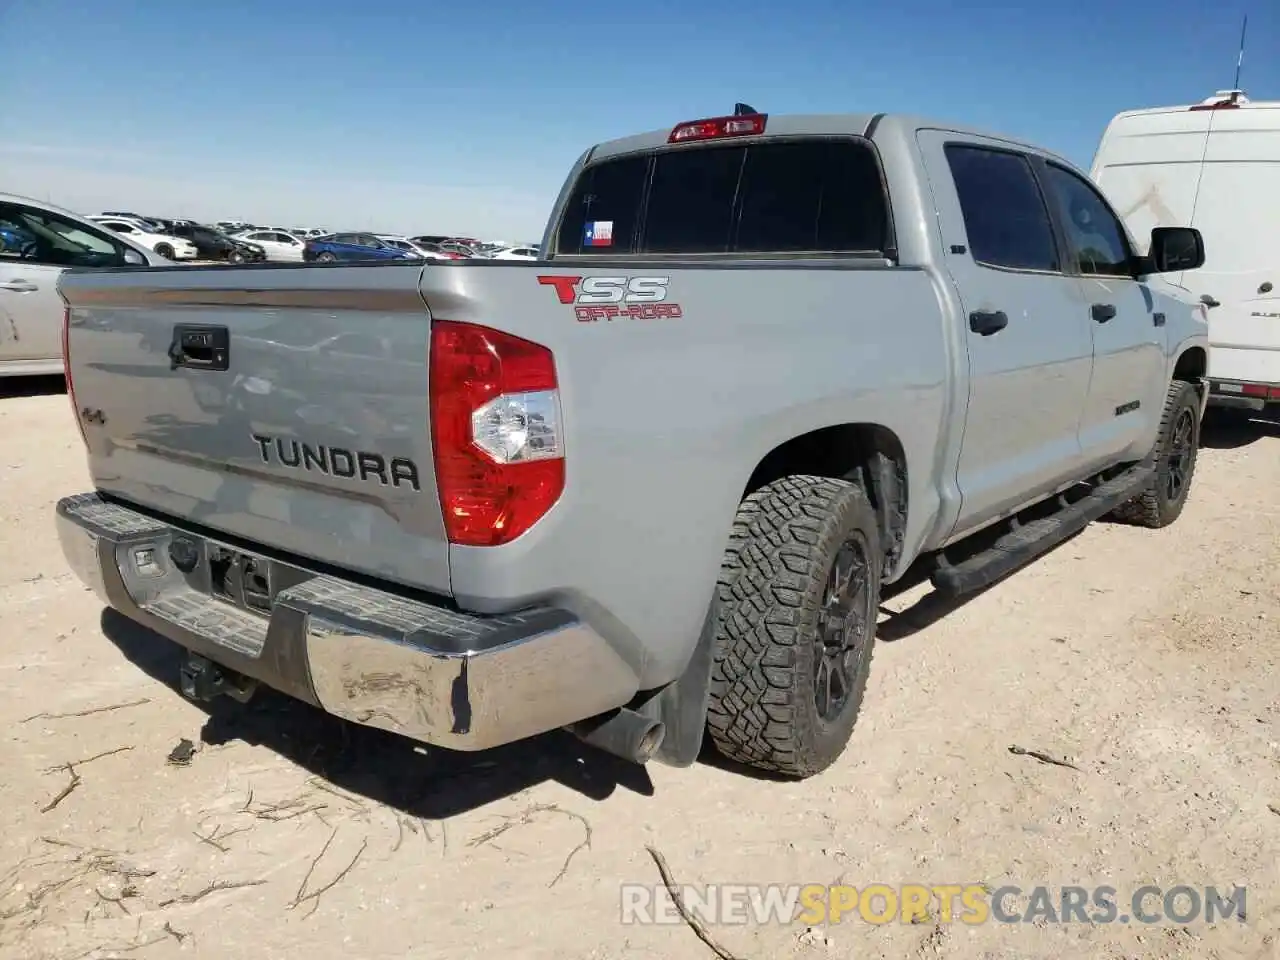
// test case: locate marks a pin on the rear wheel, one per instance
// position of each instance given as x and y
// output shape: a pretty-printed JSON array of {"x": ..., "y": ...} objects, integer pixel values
[
  {"x": 164, "y": 250},
  {"x": 798, "y": 595},
  {"x": 1177, "y": 445}
]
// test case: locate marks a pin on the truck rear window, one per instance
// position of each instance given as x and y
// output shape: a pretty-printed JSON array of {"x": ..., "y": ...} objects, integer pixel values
[{"x": 783, "y": 196}]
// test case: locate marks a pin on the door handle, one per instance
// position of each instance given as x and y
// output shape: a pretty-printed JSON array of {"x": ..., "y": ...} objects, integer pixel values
[
  {"x": 985, "y": 324},
  {"x": 200, "y": 347},
  {"x": 1209, "y": 301},
  {"x": 20, "y": 286},
  {"x": 1102, "y": 312}
]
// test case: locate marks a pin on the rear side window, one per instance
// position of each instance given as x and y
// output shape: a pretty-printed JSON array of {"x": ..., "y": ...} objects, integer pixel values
[
  {"x": 776, "y": 197},
  {"x": 604, "y": 211},
  {"x": 1005, "y": 216}
]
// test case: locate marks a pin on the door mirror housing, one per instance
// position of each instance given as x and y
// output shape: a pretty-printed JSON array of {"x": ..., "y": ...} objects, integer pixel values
[
  {"x": 133, "y": 258},
  {"x": 1174, "y": 249}
]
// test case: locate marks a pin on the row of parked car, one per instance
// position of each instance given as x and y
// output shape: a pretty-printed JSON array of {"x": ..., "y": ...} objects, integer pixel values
[
  {"x": 238, "y": 242},
  {"x": 39, "y": 241}
]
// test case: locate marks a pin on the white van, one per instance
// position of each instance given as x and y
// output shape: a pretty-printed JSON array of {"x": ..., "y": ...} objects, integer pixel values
[{"x": 1215, "y": 166}]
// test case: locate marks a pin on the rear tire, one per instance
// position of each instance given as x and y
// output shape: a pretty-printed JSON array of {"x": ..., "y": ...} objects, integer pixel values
[
  {"x": 793, "y": 648},
  {"x": 1177, "y": 445},
  {"x": 164, "y": 250}
]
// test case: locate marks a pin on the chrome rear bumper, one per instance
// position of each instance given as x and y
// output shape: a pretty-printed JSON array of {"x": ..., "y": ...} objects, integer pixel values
[{"x": 418, "y": 669}]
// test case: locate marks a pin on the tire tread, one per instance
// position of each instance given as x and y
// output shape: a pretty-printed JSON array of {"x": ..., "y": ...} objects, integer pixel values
[
  {"x": 1147, "y": 509},
  {"x": 770, "y": 584}
]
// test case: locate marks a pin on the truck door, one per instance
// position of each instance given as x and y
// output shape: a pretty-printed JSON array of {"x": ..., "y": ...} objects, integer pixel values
[
  {"x": 1026, "y": 327},
  {"x": 1130, "y": 369}
]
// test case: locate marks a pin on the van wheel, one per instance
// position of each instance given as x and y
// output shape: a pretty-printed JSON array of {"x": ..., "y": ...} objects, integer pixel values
[
  {"x": 1177, "y": 445},
  {"x": 798, "y": 595}
]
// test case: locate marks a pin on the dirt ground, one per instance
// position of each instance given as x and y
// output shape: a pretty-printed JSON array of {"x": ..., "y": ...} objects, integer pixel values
[{"x": 1148, "y": 660}]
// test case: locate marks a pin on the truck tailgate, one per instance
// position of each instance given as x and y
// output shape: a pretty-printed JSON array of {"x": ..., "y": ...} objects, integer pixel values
[{"x": 287, "y": 406}]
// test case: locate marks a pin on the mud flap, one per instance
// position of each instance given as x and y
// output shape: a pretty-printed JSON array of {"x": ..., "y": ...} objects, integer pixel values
[{"x": 682, "y": 704}]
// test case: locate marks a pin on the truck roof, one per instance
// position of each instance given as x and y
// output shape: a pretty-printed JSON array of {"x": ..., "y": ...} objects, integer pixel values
[{"x": 813, "y": 124}]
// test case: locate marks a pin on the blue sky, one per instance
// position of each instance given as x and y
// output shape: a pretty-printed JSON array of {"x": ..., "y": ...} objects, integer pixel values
[{"x": 463, "y": 117}]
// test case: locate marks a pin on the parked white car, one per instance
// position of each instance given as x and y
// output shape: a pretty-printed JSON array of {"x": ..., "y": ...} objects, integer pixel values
[
  {"x": 409, "y": 247},
  {"x": 280, "y": 245},
  {"x": 515, "y": 253},
  {"x": 171, "y": 248},
  {"x": 37, "y": 243}
]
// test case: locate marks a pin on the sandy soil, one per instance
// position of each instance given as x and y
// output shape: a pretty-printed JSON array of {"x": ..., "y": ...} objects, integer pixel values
[{"x": 1146, "y": 659}]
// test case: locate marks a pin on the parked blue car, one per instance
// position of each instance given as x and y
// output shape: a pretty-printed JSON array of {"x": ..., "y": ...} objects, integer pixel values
[
  {"x": 350, "y": 246},
  {"x": 13, "y": 239}
]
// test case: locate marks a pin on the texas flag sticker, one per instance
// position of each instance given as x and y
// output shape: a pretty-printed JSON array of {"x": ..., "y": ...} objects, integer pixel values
[{"x": 599, "y": 233}]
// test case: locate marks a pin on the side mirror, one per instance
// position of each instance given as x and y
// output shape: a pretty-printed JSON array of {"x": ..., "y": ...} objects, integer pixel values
[
  {"x": 134, "y": 258},
  {"x": 1174, "y": 249}
]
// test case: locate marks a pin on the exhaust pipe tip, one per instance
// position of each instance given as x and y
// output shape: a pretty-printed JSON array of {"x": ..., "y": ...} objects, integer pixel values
[{"x": 624, "y": 733}]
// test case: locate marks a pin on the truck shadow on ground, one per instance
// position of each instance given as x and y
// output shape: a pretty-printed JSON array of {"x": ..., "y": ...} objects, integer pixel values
[
  {"x": 383, "y": 767},
  {"x": 14, "y": 387},
  {"x": 1231, "y": 429}
]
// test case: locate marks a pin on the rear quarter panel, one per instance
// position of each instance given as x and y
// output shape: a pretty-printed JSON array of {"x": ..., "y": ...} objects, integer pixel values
[{"x": 666, "y": 419}]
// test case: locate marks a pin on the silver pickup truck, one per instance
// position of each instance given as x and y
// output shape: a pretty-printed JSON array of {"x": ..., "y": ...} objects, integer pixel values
[{"x": 650, "y": 486}]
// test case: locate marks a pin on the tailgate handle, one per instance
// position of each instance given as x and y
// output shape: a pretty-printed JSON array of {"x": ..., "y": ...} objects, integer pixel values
[{"x": 200, "y": 347}]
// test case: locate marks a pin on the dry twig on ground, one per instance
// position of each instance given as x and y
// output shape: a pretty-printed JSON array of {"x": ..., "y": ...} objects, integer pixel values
[
  {"x": 1018, "y": 751},
  {"x": 106, "y": 952},
  {"x": 526, "y": 818},
  {"x": 86, "y": 713},
  {"x": 75, "y": 779},
  {"x": 215, "y": 887},
  {"x": 694, "y": 923},
  {"x": 65, "y": 792},
  {"x": 314, "y": 896}
]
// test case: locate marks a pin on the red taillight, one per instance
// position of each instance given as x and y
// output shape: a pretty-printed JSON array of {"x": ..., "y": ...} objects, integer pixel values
[
  {"x": 742, "y": 125},
  {"x": 66, "y": 373},
  {"x": 1254, "y": 390},
  {"x": 496, "y": 430}
]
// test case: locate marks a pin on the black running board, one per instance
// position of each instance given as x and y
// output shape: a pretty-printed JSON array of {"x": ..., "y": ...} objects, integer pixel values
[{"x": 1024, "y": 543}]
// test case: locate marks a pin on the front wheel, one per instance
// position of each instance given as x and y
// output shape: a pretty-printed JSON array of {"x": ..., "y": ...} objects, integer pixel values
[
  {"x": 798, "y": 596},
  {"x": 235, "y": 256},
  {"x": 326, "y": 257},
  {"x": 1177, "y": 445},
  {"x": 164, "y": 250}
]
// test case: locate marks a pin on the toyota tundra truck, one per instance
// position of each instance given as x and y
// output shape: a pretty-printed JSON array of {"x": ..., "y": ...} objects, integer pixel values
[{"x": 649, "y": 487}]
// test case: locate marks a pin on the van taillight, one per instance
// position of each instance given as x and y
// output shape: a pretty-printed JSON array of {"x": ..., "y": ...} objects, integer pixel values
[
  {"x": 66, "y": 373},
  {"x": 496, "y": 432}
]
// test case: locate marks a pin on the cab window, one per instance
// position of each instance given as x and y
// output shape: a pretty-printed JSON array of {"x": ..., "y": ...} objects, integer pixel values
[
  {"x": 40, "y": 236},
  {"x": 1097, "y": 241},
  {"x": 821, "y": 195}
]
